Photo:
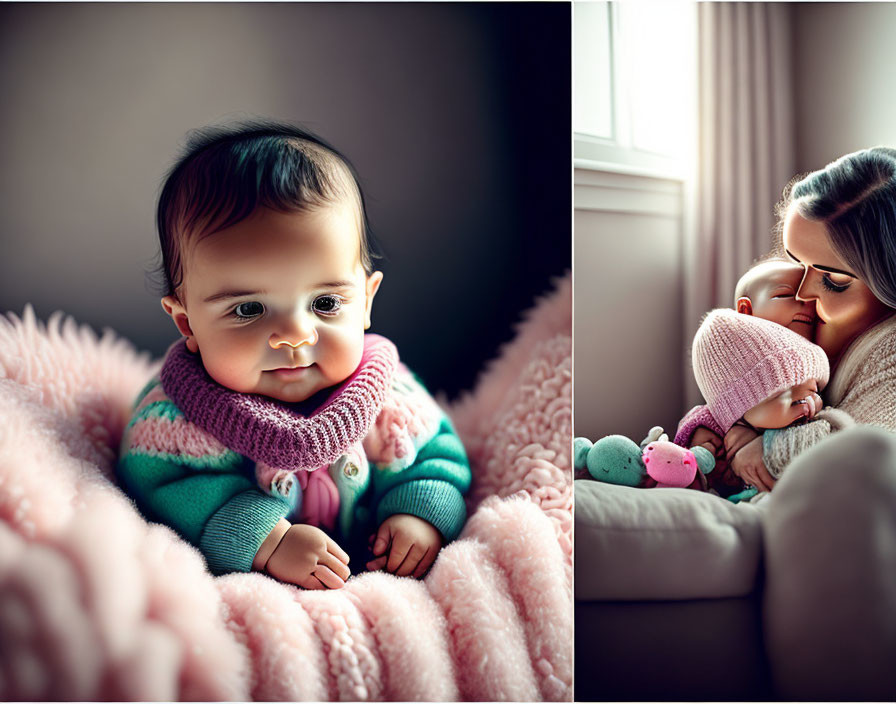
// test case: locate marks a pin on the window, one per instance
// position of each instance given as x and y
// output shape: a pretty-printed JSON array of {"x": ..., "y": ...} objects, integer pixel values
[{"x": 635, "y": 86}]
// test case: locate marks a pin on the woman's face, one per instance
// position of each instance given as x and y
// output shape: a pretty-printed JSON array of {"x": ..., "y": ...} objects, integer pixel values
[{"x": 845, "y": 306}]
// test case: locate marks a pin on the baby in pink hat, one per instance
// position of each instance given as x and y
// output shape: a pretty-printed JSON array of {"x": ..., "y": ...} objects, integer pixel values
[
  {"x": 753, "y": 373},
  {"x": 757, "y": 369},
  {"x": 766, "y": 293}
]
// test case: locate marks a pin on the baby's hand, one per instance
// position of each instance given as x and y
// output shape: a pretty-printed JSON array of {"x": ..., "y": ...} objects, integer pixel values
[
  {"x": 708, "y": 439},
  {"x": 310, "y": 558},
  {"x": 405, "y": 545},
  {"x": 737, "y": 438},
  {"x": 748, "y": 464}
]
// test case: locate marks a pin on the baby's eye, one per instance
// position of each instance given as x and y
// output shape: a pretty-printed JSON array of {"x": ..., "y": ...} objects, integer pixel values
[
  {"x": 327, "y": 305},
  {"x": 252, "y": 309}
]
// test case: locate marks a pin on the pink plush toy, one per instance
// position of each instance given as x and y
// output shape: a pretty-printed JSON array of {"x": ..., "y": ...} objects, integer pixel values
[
  {"x": 656, "y": 462},
  {"x": 670, "y": 465}
]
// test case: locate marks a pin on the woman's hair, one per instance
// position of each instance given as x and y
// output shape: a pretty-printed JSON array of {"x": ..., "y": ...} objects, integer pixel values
[
  {"x": 855, "y": 198},
  {"x": 225, "y": 173}
]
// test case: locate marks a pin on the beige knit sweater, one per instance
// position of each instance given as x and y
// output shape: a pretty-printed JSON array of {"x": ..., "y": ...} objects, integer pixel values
[{"x": 862, "y": 389}]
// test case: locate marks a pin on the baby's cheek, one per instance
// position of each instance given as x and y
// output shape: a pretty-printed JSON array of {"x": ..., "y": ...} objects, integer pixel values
[
  {"x": 341, "y": 351},
  {"x": 231, "y": 367}
]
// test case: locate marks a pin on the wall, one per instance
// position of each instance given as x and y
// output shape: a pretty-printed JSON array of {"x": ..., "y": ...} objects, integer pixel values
[
  {"x": 845, "y": 96},
  {"x": 455, "y": 115},
  {"x": 628, "y": 343}
]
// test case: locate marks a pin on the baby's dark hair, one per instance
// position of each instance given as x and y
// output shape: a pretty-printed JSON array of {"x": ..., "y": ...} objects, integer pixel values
[{"x": 225, "y": 173}]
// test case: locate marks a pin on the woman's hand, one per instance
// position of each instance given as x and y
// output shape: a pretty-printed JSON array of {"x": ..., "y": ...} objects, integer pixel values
[{"x": 747, "y": 463}]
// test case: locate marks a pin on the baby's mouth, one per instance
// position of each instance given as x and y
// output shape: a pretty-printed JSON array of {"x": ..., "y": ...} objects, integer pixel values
[
  {"x": 803, "y": 318},
  {"x": 291, "y": 372}
]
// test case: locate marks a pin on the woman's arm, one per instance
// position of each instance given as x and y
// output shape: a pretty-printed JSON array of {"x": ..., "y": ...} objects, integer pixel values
[
  {"x": 779, "y": 447},
  {"x": 761, "y": 462}
]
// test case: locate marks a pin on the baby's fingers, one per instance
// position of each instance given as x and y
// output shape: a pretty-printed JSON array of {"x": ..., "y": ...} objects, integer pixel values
[
  {"x": 377, "y": 564},
  {"x": 425, "y": 563},
  {"x": 410, "y": 563},
  {"x": 335, "y": 550},
  {"x": 336, "y": 565},
  {"x": 382, "y": 539},
  {"x": 401, "y": 545},
  {"x": 328, "y": 578}
]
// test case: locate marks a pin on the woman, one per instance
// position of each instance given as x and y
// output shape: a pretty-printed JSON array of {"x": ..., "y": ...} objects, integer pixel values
[{"x": 830, "y": 524}]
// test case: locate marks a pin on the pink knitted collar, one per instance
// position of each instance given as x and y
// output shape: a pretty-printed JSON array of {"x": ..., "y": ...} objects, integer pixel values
[{"x": 273, "y": 432}]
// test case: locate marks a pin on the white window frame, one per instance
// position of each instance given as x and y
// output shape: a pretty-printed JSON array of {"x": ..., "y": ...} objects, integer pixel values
[{"x": 618, "y": 154}]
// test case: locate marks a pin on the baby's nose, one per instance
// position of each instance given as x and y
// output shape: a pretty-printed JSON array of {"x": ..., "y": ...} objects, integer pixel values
[{"x": 294, "y": 331}]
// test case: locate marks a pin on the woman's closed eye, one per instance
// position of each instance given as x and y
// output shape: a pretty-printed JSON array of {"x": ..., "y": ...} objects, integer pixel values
[
  {"x": 839, "y": 285},
  {"x": 327, "y": 304},
  {"x": 248, "y": 310}
]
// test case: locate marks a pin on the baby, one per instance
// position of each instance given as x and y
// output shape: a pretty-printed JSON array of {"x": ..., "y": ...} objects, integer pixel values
[
  {"x": 755, "y": 375},
  {"x": 768, "y": 290},
  {"x": 279, "y": 437}
]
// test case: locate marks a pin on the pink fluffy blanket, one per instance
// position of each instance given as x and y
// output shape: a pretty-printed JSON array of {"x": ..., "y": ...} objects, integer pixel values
[{"x": 96, "y": 603}]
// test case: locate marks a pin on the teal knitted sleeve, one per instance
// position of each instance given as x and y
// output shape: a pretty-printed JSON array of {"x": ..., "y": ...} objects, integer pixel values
[
  {"x": 210, "y": 499},
  {"x": 431, "y": 488}
]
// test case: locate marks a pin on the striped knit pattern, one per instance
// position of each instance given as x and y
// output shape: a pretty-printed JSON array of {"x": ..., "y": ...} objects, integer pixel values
[
  {"x": 158, "y": 428},
  {"x": 408, "y": 420},
  {"x": 267, "y": 431},
  {"x": 182, "y": 476},
  {"x": 225, "y": 502}
]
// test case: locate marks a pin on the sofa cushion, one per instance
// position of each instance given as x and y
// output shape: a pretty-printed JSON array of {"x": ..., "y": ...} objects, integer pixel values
[{"x": 634, "y": 544}]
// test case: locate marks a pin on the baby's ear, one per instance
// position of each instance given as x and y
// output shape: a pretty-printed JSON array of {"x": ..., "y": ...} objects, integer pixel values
[
  {"x": 744, "y": 305},
  {"x": 370, "y": 288},
  {"x": 173, "y": 307}
]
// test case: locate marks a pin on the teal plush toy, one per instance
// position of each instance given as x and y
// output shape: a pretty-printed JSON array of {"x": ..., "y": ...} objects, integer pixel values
[
  {"x": 614, "y": 459},
  {"x": 656, "y": 462}
]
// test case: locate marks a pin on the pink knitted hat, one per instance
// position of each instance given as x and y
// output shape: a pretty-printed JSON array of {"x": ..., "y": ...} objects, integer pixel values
[{"x": 740, "y": 360}]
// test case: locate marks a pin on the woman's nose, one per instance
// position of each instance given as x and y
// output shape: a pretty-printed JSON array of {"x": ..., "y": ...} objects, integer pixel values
[
  {"x": 294, "y": 331},
  {"x": 807, "y": 290}
]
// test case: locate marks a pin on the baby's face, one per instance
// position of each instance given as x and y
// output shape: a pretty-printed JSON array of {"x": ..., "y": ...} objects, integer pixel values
[
  {"x": 786, "y": 407},
  {"x": 773, "y": 297},
  {"x": 278, "y": 303}
]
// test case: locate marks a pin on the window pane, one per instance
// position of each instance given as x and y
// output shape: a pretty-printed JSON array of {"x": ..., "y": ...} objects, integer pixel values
[
  {"x": 657, "y": 44},
  {"x": 593, "y": 70}
]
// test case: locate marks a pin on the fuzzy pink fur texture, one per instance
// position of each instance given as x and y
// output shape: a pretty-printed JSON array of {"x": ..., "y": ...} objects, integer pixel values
[{"x": 96, "y": 603}]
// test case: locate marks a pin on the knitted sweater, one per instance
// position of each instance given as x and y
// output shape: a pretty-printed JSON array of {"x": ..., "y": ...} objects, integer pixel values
[
  {"x": 863, "y": 387},
  {"x": 186, "y": 474}
]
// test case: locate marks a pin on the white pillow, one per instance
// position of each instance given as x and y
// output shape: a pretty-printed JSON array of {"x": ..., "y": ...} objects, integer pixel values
[{"x": 636, "y": 544}]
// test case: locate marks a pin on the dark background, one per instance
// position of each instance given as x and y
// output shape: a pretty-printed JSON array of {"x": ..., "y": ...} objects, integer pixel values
[{"x": 456, "y": 116}]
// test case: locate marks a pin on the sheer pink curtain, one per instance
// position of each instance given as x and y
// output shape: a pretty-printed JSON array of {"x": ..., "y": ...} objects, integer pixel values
[{"x": 746, "y": 149}]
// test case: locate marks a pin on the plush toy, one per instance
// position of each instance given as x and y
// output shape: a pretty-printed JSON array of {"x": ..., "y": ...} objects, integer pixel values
[{"x": 656, "y": 462}]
